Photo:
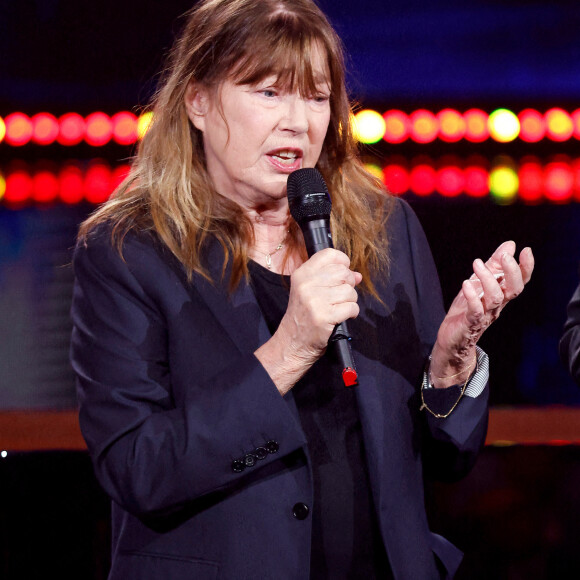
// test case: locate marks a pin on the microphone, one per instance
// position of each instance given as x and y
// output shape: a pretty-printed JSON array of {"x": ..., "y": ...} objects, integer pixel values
[{"x": 310, "y": 206}]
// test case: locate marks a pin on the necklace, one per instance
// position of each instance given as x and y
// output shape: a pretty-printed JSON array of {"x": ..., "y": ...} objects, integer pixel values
[{"x": 276, "y": 249}]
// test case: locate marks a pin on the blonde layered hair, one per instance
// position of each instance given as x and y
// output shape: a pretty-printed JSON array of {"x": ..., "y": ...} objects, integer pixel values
[{"x": 168, "y": 189}]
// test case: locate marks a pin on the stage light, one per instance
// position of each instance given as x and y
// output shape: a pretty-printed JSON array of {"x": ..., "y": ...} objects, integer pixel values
[
  {"x": 99, "y": 129},
  {"x": 118, "y": 175},
  {"x": 2, "y": 129},
  {"x": 44, "y": 128},
  {"x": 476, "y": 181},
  {"x": 504, "y": 126},
  {"x": 451, "y": 126},
  {"x": 369, "y": 126},
  {"x": 2, "y": 186},
  {"x": 476, "y": 125},
  {"x": 143, "y": 123},
  {"x": 532, "y": 126},
  {"x": 558, "y": 181},
  {"x": 575, "y": 121},
  {"x": 396, "y": 178},
  {"x": 531, "y": 180},
  {"x": 71, "y": 129},
  {"x": 124, "y": 128},
  {"x": 450, "y": 181},
  {"x": 424, "y": 126},
  {"x": 375, "y": 170},
  {"x": 503, "y": 184},
  {"x": 18, "y": 129},
  {"x": 98, "y": 183},
  {"x": 45, "y": 187},
  {"x": 71, "y": 184},
  {"x": 397, "y": 126},
  {"x": 559, "y": 125},
  {"x": 423, "y": 179},
  {"x": 18, "y": 187}
]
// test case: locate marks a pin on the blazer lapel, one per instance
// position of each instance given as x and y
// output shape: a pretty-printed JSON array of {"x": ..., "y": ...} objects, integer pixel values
[{"x": 238, "y": 311}]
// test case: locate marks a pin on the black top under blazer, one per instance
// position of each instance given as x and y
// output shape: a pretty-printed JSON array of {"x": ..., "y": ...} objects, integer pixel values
[{"x": 172, "y": 399}]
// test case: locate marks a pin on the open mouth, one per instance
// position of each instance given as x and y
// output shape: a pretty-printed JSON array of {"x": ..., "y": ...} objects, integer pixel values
[{"x": 286, "y": 157}]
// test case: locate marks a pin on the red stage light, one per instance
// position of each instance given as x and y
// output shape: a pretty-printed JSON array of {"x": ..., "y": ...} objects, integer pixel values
[
  {"x": 476, "y": 181},
  {"x": 558, "y": 182},
  {"x": 396, "y": 178},
  {"x": 45, "y": 187},
  {"x": 125, "y": 128},
  {"x": 98, "y": 183},
  {"x": 531, "y": 178},
  {"x": 532, "y": 126},
  {"x": 423, "y": 178},
  {"x": 559, "y": 126},
  {"x": 99, "y": 129},
  {"x": 44, "y": 128},
  {"x": 18, "y": 129},
  {"x": 71, "y": 184},
  {"x": 476, "y": 129},
  {"x": 18, "y": 187},
  {"x": 424, "y": 126},
  {"x": 450, "y": 181},
  {"x": 397, "y": 127},
  {"x": 71, "y": 129},
  {"x": 118, "y": 175},
  {"x": 576, "y": 122},
  {"x": 451, "y": 126},
  {"x": 576, "y": 174}
]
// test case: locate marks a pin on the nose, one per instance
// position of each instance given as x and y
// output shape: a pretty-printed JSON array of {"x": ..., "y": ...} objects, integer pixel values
[{"x": 295, "y": 116}]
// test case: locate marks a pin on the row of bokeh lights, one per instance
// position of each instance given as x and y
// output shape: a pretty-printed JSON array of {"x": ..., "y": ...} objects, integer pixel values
[
  {"x": 394, "y": 126},
  {"x": 97, "y": 129},
  {"x": 504, "y": 181},
  {"x": 474, "y": 125}
]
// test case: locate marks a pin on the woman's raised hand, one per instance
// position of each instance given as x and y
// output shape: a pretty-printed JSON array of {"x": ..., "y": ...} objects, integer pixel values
[{"x": 478, "y": 304}]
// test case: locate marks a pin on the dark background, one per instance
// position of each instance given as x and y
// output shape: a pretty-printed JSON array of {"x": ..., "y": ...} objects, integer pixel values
[{"x": 516, "y": 515}]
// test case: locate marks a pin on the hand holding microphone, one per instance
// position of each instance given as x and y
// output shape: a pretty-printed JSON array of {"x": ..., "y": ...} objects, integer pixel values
[{"x": 310, "y": 206}]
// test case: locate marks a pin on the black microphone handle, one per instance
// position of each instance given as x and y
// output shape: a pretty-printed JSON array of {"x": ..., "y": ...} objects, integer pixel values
[{"x": 317, "y": 237}]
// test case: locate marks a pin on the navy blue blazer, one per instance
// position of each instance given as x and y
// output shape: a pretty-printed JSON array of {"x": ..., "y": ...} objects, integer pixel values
[{"x": 172, "y": 397}]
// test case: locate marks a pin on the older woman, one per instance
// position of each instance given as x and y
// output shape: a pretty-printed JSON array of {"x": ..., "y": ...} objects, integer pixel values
[{"x": 217, "y": 423}]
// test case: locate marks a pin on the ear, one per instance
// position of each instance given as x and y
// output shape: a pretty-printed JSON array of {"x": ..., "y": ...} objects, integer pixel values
[{"x": 197, "y": 105}]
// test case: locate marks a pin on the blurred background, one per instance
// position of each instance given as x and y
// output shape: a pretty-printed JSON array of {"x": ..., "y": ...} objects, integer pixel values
[{"x": 469, "y": 111}]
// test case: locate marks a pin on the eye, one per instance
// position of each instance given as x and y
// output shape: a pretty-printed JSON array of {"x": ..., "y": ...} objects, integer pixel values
[
  {"x": 321, "y": 98},
  {"x": 270, "y": 93}
]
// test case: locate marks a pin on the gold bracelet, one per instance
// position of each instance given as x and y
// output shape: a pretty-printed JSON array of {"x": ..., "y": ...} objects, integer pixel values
[{"x": 439, "y": 415}]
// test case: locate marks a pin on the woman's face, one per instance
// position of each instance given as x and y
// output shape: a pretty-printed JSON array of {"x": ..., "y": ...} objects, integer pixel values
[{"x": 261, "y": 135}]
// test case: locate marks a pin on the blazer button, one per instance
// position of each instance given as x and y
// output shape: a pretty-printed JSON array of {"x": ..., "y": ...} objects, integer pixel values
[
  {"x": 272, "y": 446},
  {"x": 238, "y": 465},
  {"x": 300, "y": 511},
  {"x": 249, "y": 460},
  {"x": 260, "y": 453}
]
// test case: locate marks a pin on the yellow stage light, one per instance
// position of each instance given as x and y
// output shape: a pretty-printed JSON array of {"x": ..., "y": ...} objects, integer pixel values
[
  {"x": 369, "y": 126},
  {"x": 504, "y": 126}
]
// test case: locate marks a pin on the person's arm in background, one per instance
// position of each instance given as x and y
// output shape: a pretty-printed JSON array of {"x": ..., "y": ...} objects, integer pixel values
[{"x": 570, "y": 341}]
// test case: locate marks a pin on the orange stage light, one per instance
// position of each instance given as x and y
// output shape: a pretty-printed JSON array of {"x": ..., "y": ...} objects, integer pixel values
[
  {"x": 476, "y": 128},
  {"x": 125, "y": 128},
  {"x": 424, "y": 126},
  {"x": 532, "y": 126},
  {"x": 397, "y": 126},
  {"x": 451, "y": 126},
  {"x": 72, "y": 129},
  {"x": 559, "y": 125},
  {"x": 44, "y": 128},
  {"x": 18, "y": 129},
  {"x": 99, "y": 129}
]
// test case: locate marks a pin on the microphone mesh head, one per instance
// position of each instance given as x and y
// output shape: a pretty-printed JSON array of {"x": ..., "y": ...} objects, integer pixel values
[{"x": 308, "y": 195}]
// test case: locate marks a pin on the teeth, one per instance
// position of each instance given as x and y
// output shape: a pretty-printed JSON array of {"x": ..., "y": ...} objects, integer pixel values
[{"x": 286, "y": 154}]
